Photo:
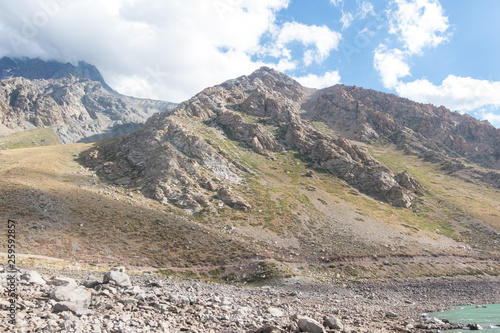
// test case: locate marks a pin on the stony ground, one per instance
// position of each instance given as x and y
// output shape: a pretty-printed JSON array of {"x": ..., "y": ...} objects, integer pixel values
[{"x": 52, "y": 300}]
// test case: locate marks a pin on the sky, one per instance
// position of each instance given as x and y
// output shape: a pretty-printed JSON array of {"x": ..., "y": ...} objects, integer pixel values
[{"x": 444, "y": 52}]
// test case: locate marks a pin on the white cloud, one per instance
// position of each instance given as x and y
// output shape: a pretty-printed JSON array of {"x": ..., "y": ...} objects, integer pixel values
[
  {"x": 364, "y": 10},
  {"x": 493, "y": 118},
  {"x": 418, "y": 24},
  {"x": 328, "y": 79},
  {"x": 336, "y": 2},
  {"x": 391, "y": 64},
  {"x": 162, "y": 49},
  {"x": 346, "y": 20},
  {"x": 464, "y": 94},
  {"x": 321, "y": 38}
]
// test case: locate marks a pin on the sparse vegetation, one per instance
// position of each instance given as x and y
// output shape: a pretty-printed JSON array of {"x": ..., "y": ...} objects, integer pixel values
[{"x": 28, "y": 139}]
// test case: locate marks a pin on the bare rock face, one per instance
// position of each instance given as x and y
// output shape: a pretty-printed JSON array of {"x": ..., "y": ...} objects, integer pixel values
[
  {"x": 433, "y": 133},
  {"x": 171, "y": 161},
  {"x": 73, "y": 100}
]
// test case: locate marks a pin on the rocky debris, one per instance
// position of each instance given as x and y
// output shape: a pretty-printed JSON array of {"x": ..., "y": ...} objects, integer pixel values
[
  {"x": 309, "y": 325},
  {"x": 171, "y": 161},
  {"x": 73, "y": 100},
  {"x": 72, "y": 293},
  {"x": 155, "y": 304},
  {"x": 33, "y": 277}
]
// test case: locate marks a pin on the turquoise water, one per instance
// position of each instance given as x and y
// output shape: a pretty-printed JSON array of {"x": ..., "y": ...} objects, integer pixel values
[{"x": 486, "y": 317}]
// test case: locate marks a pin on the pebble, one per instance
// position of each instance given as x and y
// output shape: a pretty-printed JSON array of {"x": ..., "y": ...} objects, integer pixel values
[{"x": 153, "y": 304}]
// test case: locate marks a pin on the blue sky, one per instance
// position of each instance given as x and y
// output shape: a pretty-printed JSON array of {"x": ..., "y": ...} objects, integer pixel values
[{"x": 441, "y": 52}]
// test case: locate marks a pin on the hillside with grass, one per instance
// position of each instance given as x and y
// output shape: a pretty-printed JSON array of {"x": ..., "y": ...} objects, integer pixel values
[{"x": 232, "y": 186}]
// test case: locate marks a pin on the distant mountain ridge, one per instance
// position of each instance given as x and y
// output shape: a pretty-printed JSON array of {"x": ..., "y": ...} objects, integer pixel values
[
  {"x": 73, "y": 100},
  {"x": 421, "y": 129},
  {"x": 37, "y": 69}
]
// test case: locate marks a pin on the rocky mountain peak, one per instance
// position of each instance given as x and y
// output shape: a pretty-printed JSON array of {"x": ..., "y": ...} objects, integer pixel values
[
  {"x": 38, "y": 69},
  {"x": 433, "y": 133},
  {"x": 75, "y": 101},
  {"x": 262, "y": 112}
]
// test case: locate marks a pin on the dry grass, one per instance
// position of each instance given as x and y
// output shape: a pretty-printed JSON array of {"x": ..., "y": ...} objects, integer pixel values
[{"x": 65, "y": 211}]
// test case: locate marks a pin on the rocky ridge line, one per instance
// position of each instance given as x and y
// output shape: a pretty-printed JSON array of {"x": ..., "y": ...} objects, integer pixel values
[
  {"x": 172, "y": 163},
  {"x": 73, "y": 100},
  {"x": 433, "y": 133}
]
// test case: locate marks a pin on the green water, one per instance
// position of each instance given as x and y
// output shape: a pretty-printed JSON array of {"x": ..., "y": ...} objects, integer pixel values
[{"x": 486, "y": 317}]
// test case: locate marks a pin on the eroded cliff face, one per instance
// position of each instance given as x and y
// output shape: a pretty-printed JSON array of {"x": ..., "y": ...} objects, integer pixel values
[
  {"x": 433, "y": 133},
  {"x": 77, "y": 109},
  {"x": 73, "y": 100},
  {"x": 172, "y": 161}
]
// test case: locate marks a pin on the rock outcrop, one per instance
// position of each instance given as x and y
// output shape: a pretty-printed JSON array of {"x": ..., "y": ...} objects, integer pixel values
[
  {"x": 172, "y": 161},
  {"x": 433, "y": 133},
  {"x": 73, "y": 100}
]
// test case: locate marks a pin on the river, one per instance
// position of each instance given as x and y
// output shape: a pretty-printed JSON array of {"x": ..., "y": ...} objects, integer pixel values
[{"x": 486, "y": 317}]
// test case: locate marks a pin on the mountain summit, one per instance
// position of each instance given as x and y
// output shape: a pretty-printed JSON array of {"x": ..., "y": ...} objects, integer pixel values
[
  {"x": 183, "y": 158},
  {"x": 74, "y": 101},
  {"x": 37, "y": 69}
]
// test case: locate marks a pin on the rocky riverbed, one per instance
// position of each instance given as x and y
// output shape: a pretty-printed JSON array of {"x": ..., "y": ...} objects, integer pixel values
[{"x": 50, "y": 300}]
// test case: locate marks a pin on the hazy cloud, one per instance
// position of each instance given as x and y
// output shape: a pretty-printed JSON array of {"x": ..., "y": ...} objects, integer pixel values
[
  {"x": 328, "y": 79},
  {"x": 364, "y": 10},
  {"x": 320, "y": 41},
  {"x": 168, "y": 50},
  {"x": 346, "y": 20},
  {"x": 391, "y": 65},
  {"x": 336, "y": 2}
]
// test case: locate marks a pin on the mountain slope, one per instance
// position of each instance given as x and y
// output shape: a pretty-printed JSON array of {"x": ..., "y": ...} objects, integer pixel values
[
  {"x": 73, "y": 100},
  {"x": 433, "y": 133},
  {"x": 238, "y": 183},
  {"x": 173, "y": 163},
  {"x": 37, "y": 69}
]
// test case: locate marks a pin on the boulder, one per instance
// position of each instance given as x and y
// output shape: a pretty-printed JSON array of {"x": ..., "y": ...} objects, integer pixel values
[
  {"x": 333, "y": 323},
  {"x": 474, "y": 327},
  {"x": 90, "y": 282},
  {"x": 33, "y": 277},
  {"x": 62, "y": 281},
  {"x": 72, "y": 293},
  {"x": 233, "y": 200},
  {"x": 118, "y": 276},
  {"x": 65, "y": 306},
  {"x": 275, "y": 312},
  {"x": 309, "y": 325}
]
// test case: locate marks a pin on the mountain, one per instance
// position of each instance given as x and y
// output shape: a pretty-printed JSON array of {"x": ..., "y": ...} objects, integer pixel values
[
  {"x": 37, "y": 69},
  {"x": 260, "y": 177},
  {"x": 267, "y": 113},
  {"x": 432, "y": 133},
  {"x": 73, "y": 100}
]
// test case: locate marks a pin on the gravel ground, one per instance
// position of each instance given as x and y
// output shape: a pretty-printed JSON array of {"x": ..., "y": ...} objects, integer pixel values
[{"x": 153, "y": 304}]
